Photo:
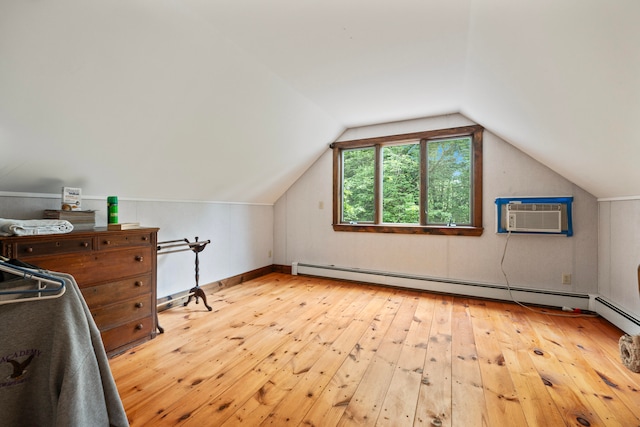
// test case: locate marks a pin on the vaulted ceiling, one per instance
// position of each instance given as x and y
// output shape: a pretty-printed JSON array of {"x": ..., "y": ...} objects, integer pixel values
[{"x": 227, "y": 100}]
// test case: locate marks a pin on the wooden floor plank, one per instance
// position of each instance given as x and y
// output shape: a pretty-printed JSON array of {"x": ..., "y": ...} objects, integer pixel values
[
  {"x": 503, "y": 402},
  {"x": 305, "y": 351},
  {"x": 434, "y": 401},
  {"x": 573, "y": 406},
  {"x": 466, "y": 383},
  {"x": 594, "y": 370},
  {"x": 361, "y": 354},
  {"x": 366, "y": 403},
  {"x": 332, "y": 402},
  {"x": 399, "y": 406},
  {"x": 599, "y": 395},
  {"x": 537, "y": 404}
]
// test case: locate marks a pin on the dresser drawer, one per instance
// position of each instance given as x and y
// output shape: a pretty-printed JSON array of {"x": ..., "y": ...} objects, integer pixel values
[
  {"x": 79, "y": 266},
  {"x": 128, "y": 334},
  {"x": 100, "y": 267},
  {"x": 124, "y": 263},
  {"x": 114, "y": 240},
  {"x": 109, "y": 316},
  {"x": 27, "y": 249},
  {"x": 120, "y": 290}
]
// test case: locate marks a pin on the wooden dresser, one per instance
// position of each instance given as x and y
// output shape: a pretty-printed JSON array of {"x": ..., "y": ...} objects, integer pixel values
[{"x": 115, "y": 270}]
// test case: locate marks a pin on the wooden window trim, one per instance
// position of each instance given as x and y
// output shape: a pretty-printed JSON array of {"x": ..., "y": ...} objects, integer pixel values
[{"x": 475, "y": 229}]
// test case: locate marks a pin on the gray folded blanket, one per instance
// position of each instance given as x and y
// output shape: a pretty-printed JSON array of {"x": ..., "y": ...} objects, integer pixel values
[{"x": 29, "y": 227}]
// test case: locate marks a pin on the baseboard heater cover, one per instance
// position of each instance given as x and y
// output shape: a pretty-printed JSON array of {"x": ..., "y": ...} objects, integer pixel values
[
  {"x": 448, "y": 286},
  {"x": 616, "y": 315}
]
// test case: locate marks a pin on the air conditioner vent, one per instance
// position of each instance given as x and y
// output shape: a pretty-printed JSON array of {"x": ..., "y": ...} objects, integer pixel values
[
  {"x": 533, "y": 207},
  {"x": 534, "y": 217}
]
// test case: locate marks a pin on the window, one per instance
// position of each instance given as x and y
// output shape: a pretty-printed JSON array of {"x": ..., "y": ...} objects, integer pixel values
[{"x": 426, "y": 182}]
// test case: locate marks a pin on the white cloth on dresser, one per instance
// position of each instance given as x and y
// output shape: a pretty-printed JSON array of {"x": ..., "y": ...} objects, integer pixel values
[
  {"x": 53, "y": 367},
  {"x": 29, "y": 227}
]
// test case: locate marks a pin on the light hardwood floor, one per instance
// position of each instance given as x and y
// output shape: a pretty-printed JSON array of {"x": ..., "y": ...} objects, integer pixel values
[{"x": 293, "y": 350}]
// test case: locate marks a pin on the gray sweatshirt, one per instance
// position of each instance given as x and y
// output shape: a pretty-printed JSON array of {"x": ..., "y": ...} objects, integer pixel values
[{"x": 53, "y": 367}]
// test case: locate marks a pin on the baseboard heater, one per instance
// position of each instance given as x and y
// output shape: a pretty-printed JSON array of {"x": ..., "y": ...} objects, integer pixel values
[
  {"x": 616, "y": 315},
  {"x": 448, "y": 286}
]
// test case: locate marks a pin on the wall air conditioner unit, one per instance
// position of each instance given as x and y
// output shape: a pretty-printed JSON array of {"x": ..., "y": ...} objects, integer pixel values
[{"x": 534, "y": 217}]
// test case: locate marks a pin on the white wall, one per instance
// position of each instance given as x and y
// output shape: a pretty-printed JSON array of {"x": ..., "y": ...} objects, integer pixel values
[
  {"x": 619, "y": 253},
  {"x": 303, "y": 230},
  {"x": 241, "y": 234}
]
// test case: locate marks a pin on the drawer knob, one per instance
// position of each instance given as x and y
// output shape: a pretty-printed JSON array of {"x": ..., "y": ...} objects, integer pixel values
[
  {"x": 145, "y": 238},
  {"x": 139, "y": 258},
  {"x": 139, "y": 305},
  {"x": 138, "y": 284},
  {"x": 85, "y": 244},
  {"x": 107, "y": 242},
  {"x": 139, "y": 326},
  {"x": 29, "y": 250}
]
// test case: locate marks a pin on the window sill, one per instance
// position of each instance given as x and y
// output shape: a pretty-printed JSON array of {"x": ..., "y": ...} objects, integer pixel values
[{"x": 411, "y": 229}]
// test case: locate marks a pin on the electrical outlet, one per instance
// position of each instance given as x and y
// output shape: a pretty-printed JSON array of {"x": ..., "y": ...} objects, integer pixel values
[
  {"x": 269, "y": 253},
  {"x": 566, "y": 278}
]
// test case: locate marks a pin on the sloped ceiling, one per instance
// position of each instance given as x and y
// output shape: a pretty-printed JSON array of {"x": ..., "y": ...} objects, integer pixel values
[{"x": 226, "y": 100}]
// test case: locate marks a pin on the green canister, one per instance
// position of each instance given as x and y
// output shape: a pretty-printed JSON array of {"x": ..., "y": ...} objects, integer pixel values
[{"x": 112, "y": 210}]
